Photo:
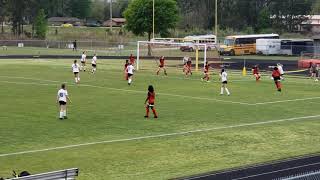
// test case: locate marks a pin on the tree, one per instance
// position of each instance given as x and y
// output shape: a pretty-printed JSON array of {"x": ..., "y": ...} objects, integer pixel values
[
  {"x": 80, "y": 8},
  {"x": 288, "y": 14},
  {"x": 139, "y": 17},
  {"x": 316, "y": 7},
  {"x": 3, "y": 13},
  {"x": 263, "y": 21},
  {"x": 40, "y": 24}
]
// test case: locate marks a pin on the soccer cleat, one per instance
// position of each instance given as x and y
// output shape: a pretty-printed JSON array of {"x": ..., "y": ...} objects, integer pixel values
[
  {"x": 208, "y": 81},
  {"x": 65, "y": 117},
  {"x": 279, "y": 90},
  {"x": 60, "y": 118},
  {"x": 201, "y": 79},
  {"x": 155, "y": 117},
  {"x": 146, "y": 116}
]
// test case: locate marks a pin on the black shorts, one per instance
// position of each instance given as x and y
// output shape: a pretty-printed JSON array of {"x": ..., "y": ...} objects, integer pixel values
[
  {"x": 150, "y": 105},
  {"x": 129, "y": 75},
  {"x": 83, "y": 62},
  {"x": 276, "y": 78},
  {"x": 314, "y": 71},
  {"x": 225, "y": 82},
  {"x": 75, "y": 73},
  {"x": 94, "y": 65},
  {"x": 62, "y": 103},
  {"x": 161, "y": 66}
]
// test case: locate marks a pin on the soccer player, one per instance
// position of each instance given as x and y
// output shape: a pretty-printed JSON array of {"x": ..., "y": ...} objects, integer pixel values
[
  {"x": 206, "y": 72},
  {"x": 130, "y": 70},
  {"x": 185, "y": 59},
  {"x": 125, "y": 70},
  {"x": 132, "y": 60},
  {"x": 62, "y": 98},
  {"x": 280, "y": 68},
  {"x": 276, "y": 77},
  {"x": 256, "y": 73},
  {"x": 150, "y": 99},
  {"x": 161, "y": 66},
  {"x": 187, "y": 67},
  {"x": 224, "y": 82},
  {"x": 94, "y": 64},
  {"x": 83, "y": 61},
  {"x": 76, "y": 69},
  {"x": 314, "y": 71}
]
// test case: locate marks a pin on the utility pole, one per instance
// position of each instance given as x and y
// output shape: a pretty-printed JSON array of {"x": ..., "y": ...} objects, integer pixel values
[
  {"x": 153, "y": 19},
  {"x": 110, "y": 15},
  {"x": 216, "y": 20}
]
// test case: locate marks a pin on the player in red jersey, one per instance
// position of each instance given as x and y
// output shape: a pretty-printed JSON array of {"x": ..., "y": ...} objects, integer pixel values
[
  {"x": 125, "y": 70},
  {"x": 276, "y": 77},
  {"x": 161, "y": 66},
  {"x": 150, "y": 102},
  {"x": 132, "y": 60},
  {"x": 256, "y": 73},
  {"x": 187, "y": 68},
  {"x": 206, "y": 72}
]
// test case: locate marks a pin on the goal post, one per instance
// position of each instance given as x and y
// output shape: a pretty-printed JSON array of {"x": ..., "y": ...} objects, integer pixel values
[{"x": 171, "y": 50}]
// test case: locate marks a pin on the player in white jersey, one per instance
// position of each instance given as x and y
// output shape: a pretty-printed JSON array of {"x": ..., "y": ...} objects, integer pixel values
[
  {"x": 130, "y": 70},
  {"x": 280, "y": 69},
  {"x": 94, "y": 64},
  {"x": 83, "y": 61},
  {"x": 76, "y": 70},
  {"x": 62, "y": 98},
  {"x": 224, "y": 81}
]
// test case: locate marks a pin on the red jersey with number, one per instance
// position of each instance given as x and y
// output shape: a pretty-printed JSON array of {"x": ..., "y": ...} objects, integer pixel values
[
  {"x": 255, "y": 70},
  {"x": 275, "y": 73},
  {"x": 151, "y": 97},
  {"x": 161, "y": 61}
]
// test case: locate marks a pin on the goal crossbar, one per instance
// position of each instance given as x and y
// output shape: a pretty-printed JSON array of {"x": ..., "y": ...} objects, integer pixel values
[{"x": 197, "y": 45}]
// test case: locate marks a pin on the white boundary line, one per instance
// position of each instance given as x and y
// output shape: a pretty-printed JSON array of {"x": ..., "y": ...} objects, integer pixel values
[
  {"x": 166, "y": 94},
  {"x": 160, "y": 135},
  {"x": 136, "y": 91}
]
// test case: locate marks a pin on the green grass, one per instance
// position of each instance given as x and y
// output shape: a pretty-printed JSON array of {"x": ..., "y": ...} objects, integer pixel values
[{"x": 105, "y": 108}]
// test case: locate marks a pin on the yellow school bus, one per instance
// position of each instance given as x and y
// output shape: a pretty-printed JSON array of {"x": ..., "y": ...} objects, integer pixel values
[{"x": 243, "y": 44}]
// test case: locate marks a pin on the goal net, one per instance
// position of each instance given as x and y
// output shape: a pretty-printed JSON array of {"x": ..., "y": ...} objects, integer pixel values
[{"x": 175, "y": 54}]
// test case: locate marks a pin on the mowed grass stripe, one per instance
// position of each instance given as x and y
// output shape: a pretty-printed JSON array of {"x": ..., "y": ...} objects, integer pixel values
[{"x": 162, "y": 135}]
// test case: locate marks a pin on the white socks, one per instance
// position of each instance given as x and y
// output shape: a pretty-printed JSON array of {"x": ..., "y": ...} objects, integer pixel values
[
  {"x": 63, "y": 114},
  {"x": 221, "y": 92},
  {"x": 129, "y": 81},
  {"x": 227, "y": 91},
  {"x": 77, "y": 79}
]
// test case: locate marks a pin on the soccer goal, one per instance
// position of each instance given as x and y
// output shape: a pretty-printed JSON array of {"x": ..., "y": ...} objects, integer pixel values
[{"x": 149, "y": 52}]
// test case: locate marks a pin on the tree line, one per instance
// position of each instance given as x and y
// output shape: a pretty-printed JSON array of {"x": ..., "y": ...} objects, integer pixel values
[
  {"x": 255, "y": 15},
  {"x": 260, "y": 15}
]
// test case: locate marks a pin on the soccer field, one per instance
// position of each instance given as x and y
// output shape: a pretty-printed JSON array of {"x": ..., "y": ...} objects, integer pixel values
[{"x": 107, "y": 137}]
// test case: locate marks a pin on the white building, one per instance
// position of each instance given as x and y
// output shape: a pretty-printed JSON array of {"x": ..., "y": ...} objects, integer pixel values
[{"x": 311, "y": 25}]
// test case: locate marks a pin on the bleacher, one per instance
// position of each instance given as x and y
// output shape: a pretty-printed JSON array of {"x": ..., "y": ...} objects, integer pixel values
[{"x": 66, "y": 174}]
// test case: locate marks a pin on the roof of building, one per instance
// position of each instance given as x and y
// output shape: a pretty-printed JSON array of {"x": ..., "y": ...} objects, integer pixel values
[
  {"x": 63, "y": 19},
  {"x": 119, "y": 20}
]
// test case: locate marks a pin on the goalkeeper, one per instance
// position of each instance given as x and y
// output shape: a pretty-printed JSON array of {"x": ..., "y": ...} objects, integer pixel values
[{"x": 161, "y": 66}]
